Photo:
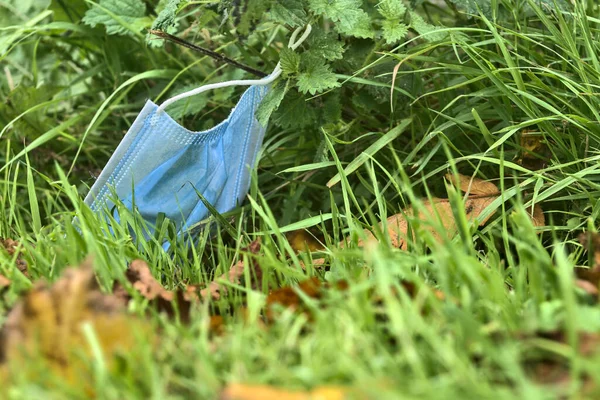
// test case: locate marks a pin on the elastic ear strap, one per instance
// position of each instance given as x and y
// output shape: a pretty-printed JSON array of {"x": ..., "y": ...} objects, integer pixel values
[
  {"x": 293, "y": 44},
  {"x": 202, "y": 89}
]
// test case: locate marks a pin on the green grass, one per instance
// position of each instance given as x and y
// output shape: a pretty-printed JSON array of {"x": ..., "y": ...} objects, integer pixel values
[{"x": 461, "y": 105}]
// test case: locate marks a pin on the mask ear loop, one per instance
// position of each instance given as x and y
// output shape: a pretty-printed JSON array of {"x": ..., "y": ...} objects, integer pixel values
[{"x": 293, "y": 44}]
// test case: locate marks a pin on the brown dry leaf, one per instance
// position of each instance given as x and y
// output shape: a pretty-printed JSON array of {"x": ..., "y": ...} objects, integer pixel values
[
  {"x": 588, "y": 342},
  {"x": 440, "y": 210},
  {"x": 435, "y": 210},
  {"x": 531, "y": 142},
  {"x": 179, "y": 302},
  {"x": 288, "y": 296},
  {"x": 535, "y": 152},
  {"x": 480, "y": 195},
  {"x": 217, "y": 324},
  {"x": 412, "y": 290},
  {"x": 11, "y": 247},
  {"x": 537, "y": 217},
  {"x": 473, "y": 185},
  {"x": 4, "y": 282},
  {"x": 591, "y": 241},
  {"x": 587, "y": 287},
  {"x": 262, "y": 392},
  {"x": 589, "y": 278},
  {"x": 140, "y": 276},
  {"x": 171, "y": 302},
  {"x": 302, "y": 240},
  {"x": 236, "y": 271},
  {"x": 48, "y": 322},
  {"x": 548, "y": 368}
]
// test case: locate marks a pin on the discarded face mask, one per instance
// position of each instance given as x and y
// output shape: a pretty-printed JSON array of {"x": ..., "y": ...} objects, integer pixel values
[{"x": 160, "y": 168}]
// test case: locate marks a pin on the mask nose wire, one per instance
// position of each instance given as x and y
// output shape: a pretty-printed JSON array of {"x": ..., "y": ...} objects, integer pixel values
[{"x": 293, "y": 44}]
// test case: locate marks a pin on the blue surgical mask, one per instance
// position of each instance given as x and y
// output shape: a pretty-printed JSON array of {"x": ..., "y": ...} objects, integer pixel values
[{"x": 160, "y": 167}]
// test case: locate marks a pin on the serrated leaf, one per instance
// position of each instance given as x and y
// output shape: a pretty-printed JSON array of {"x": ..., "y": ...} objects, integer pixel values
[
  {"x": 165, "y": 21},
  {"x": 350, "y": 19},
  {"x": 289, "y": 61},
  {"x": 324, "y": 46},
  {"x": 393, "y": 31},
  {"x": 317, "y": 78},
  {"x": 473, "y": 6},
  {"x": 294, "y": 112},
  {"x": 120, "y": 17},
  {"x": 425, "y": 28},
  {"x": 271, "y": 102},
  {"x": 288, "y": 12},
  {"x": 391, "y": 9},
  {"x": 548, "y": 5},
  {"x": 336, "y": 10},
  {"x": 166, "y": 17},
  {"x": 363, "y": 28}
]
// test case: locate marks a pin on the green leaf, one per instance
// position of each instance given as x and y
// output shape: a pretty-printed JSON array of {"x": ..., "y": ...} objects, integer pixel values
[
  {"x": 350, "y": 19},
  {"x": 120, "y": 17},
  {"x": 363, "y": 28},
  {"x": 288, "y": 12},
  {"x": 165, "y": 20},
  {"x": 295, "y": 112},
  {"x": 332, "y": 107},
  {"x": 393, "y": 31},
  {"x": 188, "y": 106},
  {"x": 473, "y": 6},
  {"x": 72, "y": 11},
  {"x": 325, "y": 46},
  {"x": 365, "y": 100},
  {"x": 392, "y": 9},
  {"x": 309, "y": 167},
  {"x": 271, "y": 102},
  {"x": 548, "y": 5},
  {"x": 317, "y": 78},
  {"x": 425, "y": 28},
  {"x": 251, "y": 12},
  {"x": 289, "y": 61}
]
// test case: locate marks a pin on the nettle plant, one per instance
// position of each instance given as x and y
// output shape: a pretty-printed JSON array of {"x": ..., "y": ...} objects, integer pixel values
[{"x": 347, "y": 36}]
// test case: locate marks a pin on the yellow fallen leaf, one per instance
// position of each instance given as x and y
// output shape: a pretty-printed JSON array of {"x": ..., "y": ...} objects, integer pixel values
[
  {"x": 473, "y": 186},
  {"x": 434, "y": 210},
  {"x": 535, "y": 152},
  {"x": 537, "y": 217},
  {"x": 301, "y": 240},
  {"x": 11, "y": 247},
  {"x": 263, "y": 392},
  {"x": 4, "y": 281},
  {"x": 47, "y": 326},
  {"x": 480, "y": 195}
]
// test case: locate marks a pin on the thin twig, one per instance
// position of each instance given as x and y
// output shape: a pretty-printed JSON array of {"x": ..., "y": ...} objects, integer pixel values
[{"x": 206, "y": 52}]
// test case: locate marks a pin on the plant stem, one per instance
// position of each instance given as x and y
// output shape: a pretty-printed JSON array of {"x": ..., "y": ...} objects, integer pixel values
[{"x": 206, "y": 52}]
